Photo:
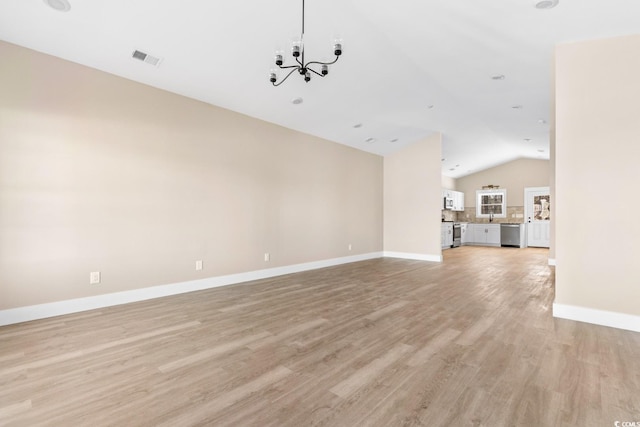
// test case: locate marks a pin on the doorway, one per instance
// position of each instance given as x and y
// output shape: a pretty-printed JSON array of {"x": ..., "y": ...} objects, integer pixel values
[{"x": 537, "y": 212}]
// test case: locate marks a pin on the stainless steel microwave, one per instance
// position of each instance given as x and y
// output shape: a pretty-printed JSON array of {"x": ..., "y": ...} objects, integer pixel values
[{"x": 448, "y": 203}]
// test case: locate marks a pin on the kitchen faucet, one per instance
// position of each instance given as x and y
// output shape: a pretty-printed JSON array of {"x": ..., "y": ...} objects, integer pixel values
[{"x": 490, "y": 217}]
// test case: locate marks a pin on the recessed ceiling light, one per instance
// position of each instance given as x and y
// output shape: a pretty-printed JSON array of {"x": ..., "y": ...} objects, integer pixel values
[
  {"x": 457, "y": 166},
  {"x": 452, "y": 169},
  {"x": 540, "y": 151},
  {"x": 498, "y": 77},
  {"x": 546, "y": 4},
  {"x": 517, "y": 107},
  {"x": 370, "y": 140},
  {"x": 59, "y": 5},
  {"x": 542, "y": 121},
  {"x": 443, "y": 159},
  {"x": 297, "y": 101},
  {"x": 359, "y": 125},
  {"x": 430, "y": 106},
  {"x": 527, "y": 140},
  {"x": 394, "y": 140}
]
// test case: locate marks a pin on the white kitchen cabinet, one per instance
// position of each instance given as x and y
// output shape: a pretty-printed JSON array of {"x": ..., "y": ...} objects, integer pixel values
[
  {"x": 466, "y": 231},
  {"x": 493, "y": 234},
  {"x": 457, "y": 197},
  {"x": 458, "y": 201},
  {"x": 447, "y": 235},
  {"x": 486, "y": 234},
  {"x": 479, "y": 234}
]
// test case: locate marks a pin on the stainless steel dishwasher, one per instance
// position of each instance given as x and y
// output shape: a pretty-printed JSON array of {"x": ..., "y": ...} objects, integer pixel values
[{"x": 510, "y": 235}]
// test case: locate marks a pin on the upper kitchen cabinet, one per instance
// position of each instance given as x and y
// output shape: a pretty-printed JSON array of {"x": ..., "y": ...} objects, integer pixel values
[
  {"x": 458, "y": 201},
  {"x": 453, "y": 200}
]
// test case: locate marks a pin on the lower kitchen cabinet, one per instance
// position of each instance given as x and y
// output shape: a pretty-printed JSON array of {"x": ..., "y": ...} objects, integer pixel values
[
  {"x": 447, "y": 235},
  {"x": 485, "y": 234},
  {"x": 493, "y": 234},
  {"x": 465, "y": 233}
]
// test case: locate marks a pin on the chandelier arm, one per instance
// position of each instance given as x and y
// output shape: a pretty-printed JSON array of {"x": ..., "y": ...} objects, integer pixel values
[
  {"x": 314, "y": 71},
  {"x": 285, "y": 67},
  {"x": 283, "y": 80},
  {"x": 324, "y": 63}
]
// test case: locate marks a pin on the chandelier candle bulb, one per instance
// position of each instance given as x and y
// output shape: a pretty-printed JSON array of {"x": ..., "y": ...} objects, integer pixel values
[
  {"x": 325, "y": 69},
  {"x": 337, "y": 49},
  {"x": 279, "y": 60},
  {"x": 295, "y": 50},
  {"x": 272, "y": 77}
]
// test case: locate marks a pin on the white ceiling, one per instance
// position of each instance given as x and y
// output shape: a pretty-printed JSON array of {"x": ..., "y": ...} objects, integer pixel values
[{"x": 409, "y": 68}]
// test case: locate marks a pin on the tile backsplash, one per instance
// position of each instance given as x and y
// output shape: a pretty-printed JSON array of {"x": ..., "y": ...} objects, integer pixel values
[
  {"x": 448, "y": 215},
  {"x": 515, "y": 214}
]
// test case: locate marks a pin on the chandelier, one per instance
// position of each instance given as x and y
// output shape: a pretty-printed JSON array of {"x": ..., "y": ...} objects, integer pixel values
[{"x": 303, "y": 68}]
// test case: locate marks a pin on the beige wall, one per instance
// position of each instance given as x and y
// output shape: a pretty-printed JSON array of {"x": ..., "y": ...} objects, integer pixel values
[
  {"x": 448, "y": 183},
  {"x": 514, "y": 176},
  {"x": 98, "y": 173},
  {"x": 597, "y": 155},
  {"x": 412, "y": 199}
]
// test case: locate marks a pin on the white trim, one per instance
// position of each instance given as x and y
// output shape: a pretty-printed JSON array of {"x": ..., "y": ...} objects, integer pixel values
[
  {"x": 502, "y": 191},
  {"x": 417, "y": 257},
  {"x": 42, "y": 311},
  {"x": 552, "y": 261},
  {"x": 597, "y": 317}
]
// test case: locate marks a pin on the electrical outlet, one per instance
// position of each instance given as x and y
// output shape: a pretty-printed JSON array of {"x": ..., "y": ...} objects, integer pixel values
[
  {"x": 199, "y": 265},
  {"x": 267, "y": 256},
  {"x": 94, "y": 278}
]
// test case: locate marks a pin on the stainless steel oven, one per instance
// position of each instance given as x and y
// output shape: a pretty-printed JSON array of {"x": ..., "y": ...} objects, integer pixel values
[{"x": 457, "y": 234}]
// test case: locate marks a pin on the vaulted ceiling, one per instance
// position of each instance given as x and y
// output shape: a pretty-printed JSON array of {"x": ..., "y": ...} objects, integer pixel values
[{"x": 479, "y": 72}]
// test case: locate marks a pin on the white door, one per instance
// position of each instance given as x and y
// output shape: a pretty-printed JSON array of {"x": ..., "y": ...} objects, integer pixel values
[{"x": 537, "y": 212}]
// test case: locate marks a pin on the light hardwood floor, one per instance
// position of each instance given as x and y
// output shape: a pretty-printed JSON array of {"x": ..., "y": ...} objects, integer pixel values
[{"x": 386, "y": 342}]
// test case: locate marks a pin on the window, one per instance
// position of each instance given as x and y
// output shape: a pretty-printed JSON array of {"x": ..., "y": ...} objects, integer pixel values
[{"x": 491, "y": 203}]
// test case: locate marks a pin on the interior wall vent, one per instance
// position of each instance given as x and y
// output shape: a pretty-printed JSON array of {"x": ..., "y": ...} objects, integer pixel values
[{"x": 145, "y": 57}]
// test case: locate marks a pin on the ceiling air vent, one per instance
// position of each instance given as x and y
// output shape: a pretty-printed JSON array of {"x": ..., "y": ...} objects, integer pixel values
[{"x": 144, "y": 57}]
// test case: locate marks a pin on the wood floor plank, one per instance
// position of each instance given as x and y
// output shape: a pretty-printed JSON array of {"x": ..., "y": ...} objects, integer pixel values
[
  {"x": 369, "y": 372},
  {"x": 211, "y": 352},
  {"x": 433, "y": 347},
  {"x": 292, "y": 331},
  {"x": 202, "y": 413},
  {"x": 15, "y": 409},
  {"x": 383, "y": 342},
  {"x": 94, "y": 349},
  {"x": 386, "y": 310}
]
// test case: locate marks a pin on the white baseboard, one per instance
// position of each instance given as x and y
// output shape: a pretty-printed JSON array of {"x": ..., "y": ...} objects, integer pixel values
[
  {"x": 417, "y": 257},
  {"x": 552, "y": 261},
  {"x": 597, "y": 317},
  {"x": 42, "y": 311}
]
